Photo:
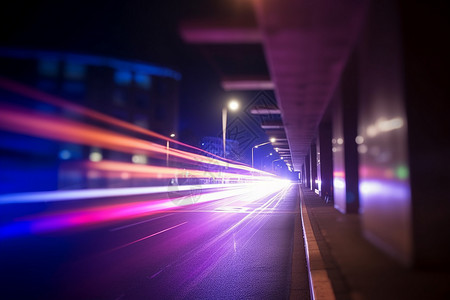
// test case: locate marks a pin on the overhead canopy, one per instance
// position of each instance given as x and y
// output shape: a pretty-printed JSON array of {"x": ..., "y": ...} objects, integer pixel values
[{"x": 305, "y": 45}]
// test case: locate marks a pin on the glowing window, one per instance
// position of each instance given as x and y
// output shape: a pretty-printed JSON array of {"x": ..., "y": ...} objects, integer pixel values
[
  {"x": 48, "y": 67},
  {"x": 122, "y": 77},
  {"x": 143, "y": 80},
  {"x": 74, "y": 71}
]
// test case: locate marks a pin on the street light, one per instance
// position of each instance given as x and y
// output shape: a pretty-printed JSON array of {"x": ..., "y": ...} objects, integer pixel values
[
  {"x": 233, "y": 105},
  {"x": 272, "y": 140},
  {"x": 275, "y": 161},
  {"x": 172, "y": 135}
]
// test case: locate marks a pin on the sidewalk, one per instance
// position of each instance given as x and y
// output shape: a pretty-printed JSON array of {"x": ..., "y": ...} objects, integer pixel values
[{"x": 355, "y": 268}]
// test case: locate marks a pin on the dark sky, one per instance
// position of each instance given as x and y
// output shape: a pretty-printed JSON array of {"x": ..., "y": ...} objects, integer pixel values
[{"x": 134, "y": 30}]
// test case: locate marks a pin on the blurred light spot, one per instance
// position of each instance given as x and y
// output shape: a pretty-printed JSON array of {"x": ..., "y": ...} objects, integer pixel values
[
  {"x": 372, "y": 131},
  {"x": 139, "y": 159},
  {"x": 362, "y": 149},
  {"x": 388, "y": 125},
  {"x": 333, "y": 141},
  {"x": 359, "y": 140},
  {"x": 65, "y": 154},
  {"x": 95, "y": 156},
  {"x": 233, "y": 105},
  {"x": 339, "y": 183},
  {"x": 340, "y": 141},
  {"x": 384, "y": 125},
  {"x": 339, "y": 174},
  {"x": 402, "y": 172},
  {"x": 232, "y": 209}
]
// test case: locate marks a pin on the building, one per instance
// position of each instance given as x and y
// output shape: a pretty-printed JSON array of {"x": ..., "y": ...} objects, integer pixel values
[{"x": 139, "y": 93}]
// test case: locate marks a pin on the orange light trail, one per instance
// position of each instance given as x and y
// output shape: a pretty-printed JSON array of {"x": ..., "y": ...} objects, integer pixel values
[
  {"x": 37, "y": 124},
  {"x": 33, "y": 93}
]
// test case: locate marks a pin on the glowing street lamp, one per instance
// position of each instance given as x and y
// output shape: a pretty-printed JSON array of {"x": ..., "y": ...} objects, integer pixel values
[
  {"x": 233, "y": 105},
  {"x": 272, "y": 140},
  {"x": 172, "y": 135}
]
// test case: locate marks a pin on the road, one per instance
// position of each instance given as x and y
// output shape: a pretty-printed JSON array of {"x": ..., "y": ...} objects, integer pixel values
[{"x": 224, "y": 249}]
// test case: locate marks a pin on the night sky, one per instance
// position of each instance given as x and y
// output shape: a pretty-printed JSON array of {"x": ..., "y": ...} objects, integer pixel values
[{"x": 144, "y": 31}]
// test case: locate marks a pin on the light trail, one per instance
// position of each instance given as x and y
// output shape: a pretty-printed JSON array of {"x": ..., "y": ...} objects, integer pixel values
[
  {"x": 117, "y": 169},
  {"x": 33, "y": 93},
  {"x": 69, "y": 195},
  {"x": 100, "y": 214},
  {"x": 98, "y": 207},
  {"x": 28, "y": 122}
]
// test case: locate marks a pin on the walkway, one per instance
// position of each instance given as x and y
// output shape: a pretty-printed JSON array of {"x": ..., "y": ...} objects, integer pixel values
[{"x": 356, "y": 269}]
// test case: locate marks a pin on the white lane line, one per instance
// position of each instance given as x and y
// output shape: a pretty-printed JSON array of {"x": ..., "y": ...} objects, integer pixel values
[
  {"x": 137, "y": 223},
  {"x": 156, "y": 274},
  {"x": 148, "y": 236}
]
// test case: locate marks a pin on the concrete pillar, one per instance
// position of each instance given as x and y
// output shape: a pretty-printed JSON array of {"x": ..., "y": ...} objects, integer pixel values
[
  {"x": 303, "y": 175},
  {"x": 325, "y": 161},
  {"x": 307, "y": 172},
  {"x": 384, "y": 169},
  {"x": 344, "y": 132},
  {"x": 426, "y": 65},
  {"x": 313, "y": 167}
]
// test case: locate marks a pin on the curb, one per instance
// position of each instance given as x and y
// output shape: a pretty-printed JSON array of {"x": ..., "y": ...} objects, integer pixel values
[{"x": 319, "y": 282}]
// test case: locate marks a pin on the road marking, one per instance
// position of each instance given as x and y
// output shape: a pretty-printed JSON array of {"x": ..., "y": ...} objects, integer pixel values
[
  {"x": 137, "y": 223},
  {"x": 148, "y": 236},
  {"x": 156, "y": 274}
]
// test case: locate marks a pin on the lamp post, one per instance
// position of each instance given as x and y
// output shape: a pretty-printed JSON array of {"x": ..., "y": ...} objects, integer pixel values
[
  {"x": 272, "y": 140},
  {"x": 233, "y": 105},
  {"x": 172, "y": 135},
  {"x": 275, "y": 161}
]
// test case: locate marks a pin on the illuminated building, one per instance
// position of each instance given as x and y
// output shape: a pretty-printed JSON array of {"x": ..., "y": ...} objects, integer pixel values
[{"x": 143, "y": 94}]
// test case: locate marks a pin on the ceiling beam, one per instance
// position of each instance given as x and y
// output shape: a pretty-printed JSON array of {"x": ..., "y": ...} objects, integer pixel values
[
  {"x": 261, "y": 110},
  {"x": 247, "y": 84},
  {"x": 213, "y": 33}
]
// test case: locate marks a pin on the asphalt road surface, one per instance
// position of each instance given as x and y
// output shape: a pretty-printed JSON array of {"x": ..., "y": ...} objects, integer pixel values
[{"x": 225, "y": 249}]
